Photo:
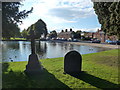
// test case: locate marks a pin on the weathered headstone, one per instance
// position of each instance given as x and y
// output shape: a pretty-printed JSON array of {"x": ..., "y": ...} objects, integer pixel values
[
  {"x": 72, "y": 62},
  {"x": 33, "y": 66}
]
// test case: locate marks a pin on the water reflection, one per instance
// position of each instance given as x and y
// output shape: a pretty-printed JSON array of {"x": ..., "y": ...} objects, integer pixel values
[
  {"x": 20, "y": 50},
  {"x": 41, "y": 49}
]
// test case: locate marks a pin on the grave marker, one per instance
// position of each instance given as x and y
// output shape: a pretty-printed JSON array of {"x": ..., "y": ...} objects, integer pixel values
[
  {"x": 33, "y": 66},
  {"x": 72, "y": 62}
]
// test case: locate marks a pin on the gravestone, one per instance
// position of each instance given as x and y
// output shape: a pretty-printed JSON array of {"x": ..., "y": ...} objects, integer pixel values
[
  {"x": 33, "y": 66},
  {"x": 72, "y": 62}
]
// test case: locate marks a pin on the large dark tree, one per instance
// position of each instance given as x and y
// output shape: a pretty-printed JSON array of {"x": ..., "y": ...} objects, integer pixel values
[
  {"x": 11, "y": 17},
  {"x": 39, "y": 27},
  {"x": 108, "y": 16},
  {"x": 24, "y": 33}
]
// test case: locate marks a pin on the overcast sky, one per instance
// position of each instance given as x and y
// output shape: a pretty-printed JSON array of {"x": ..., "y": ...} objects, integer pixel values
[{"x": 61, "y": 14}]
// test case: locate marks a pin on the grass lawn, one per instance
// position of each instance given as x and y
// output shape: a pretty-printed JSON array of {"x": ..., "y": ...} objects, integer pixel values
[
  {"x": 101, "y": 71},
  {"x": 15, "y": 39}
]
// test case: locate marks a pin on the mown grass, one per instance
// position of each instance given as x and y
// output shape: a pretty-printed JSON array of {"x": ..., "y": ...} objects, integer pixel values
[
  {"x": 15, "y": 39},
  {"x": 100, "y": 71}
]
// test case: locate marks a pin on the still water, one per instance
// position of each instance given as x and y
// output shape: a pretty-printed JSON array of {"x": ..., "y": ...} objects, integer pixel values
[{"x": 20, "y": 50}]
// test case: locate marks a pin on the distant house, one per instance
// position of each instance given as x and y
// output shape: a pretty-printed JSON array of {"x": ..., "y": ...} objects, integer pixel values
[
  {"x": 101, "y": 36},
  {"x": 65, "y": 35},
  {"x": 113, "y": 38},
  {"x": 88, "y": 34}
]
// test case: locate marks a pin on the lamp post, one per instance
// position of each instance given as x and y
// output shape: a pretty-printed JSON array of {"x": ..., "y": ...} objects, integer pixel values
[{"x": 102, "y": 38}]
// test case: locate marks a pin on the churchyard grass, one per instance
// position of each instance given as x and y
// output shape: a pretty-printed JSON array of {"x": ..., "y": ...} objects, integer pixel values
[
  {"x": 14, "y": 39},
  {"x": 17, "y": 38},
  {"x": 100, "y": 71}
]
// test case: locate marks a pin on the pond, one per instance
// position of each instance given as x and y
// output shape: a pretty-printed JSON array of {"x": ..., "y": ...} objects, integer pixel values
[{"x": 20, "y": 50}]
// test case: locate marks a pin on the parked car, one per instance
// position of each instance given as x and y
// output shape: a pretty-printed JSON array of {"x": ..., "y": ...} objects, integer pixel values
[
  {"x": 70, "y": 39},
  {"x": 96, "y": 41},
  {"x": 53, "y": 38},
  {"x": 111, "y": 42},
  {"x": 63, "y": 39},
  {"x": 75, "y": 40},
  {"x": 108, "y": 41},
  {"x": 118, "y": 42}
]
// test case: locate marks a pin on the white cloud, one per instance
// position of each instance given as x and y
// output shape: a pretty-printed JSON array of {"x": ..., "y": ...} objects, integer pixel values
[
  {"x": 69, "y": 10},
  {"x": 86, "y": 29},
  {"x": 75, "y": 29},
  {"x": 25, "y": 24},
  {"x": 91, "y": 29},
  {"x": 58, "y": 11}
]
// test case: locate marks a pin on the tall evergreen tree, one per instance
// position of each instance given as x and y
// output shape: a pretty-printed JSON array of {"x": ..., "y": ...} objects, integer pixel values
[
  {"x": 108, "y": 16},
  {"x": 115, "y": 19}
]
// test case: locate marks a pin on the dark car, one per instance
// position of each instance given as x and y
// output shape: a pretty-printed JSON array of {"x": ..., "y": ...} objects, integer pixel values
[
  {"x": 96, "y": 41},
  {"x": 118, "y": 42}
]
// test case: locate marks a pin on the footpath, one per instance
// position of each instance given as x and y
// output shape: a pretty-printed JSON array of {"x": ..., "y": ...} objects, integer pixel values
[{"x": 95, "y": 44}]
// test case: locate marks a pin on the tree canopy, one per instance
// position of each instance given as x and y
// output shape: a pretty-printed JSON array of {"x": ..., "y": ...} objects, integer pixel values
[
  {"x": 53, "y": 34},
  {"x": 39, "y": 27},
  {"x": 24, "y": 33},
  {"x": 76, "y": 34},
  {"x": 109, "y": 17},
  {"x": 11, "y": 17}
]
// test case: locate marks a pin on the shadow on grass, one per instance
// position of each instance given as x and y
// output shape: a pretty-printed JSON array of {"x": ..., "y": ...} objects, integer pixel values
[
  {"x": 5, "y": 67},
  {"x": 95, "y": 81},
  {"x": 13, "y": 79}
]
